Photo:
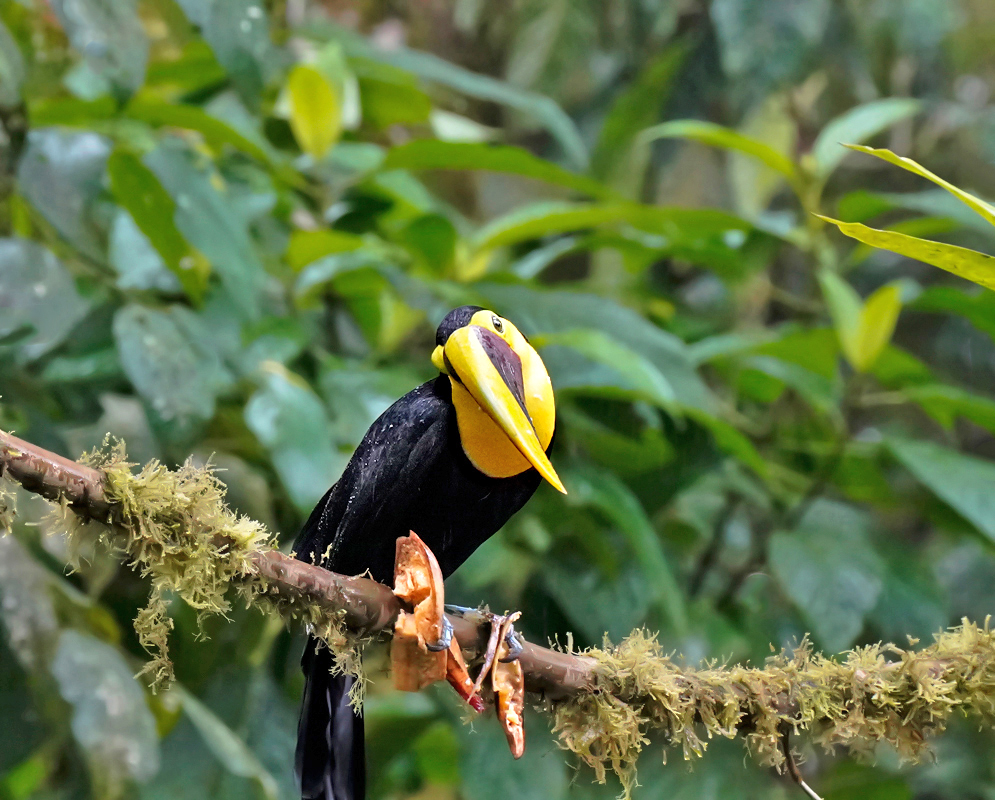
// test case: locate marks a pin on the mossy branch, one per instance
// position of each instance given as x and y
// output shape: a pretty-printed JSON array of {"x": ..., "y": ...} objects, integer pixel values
[{"x": 606, "y": 703}]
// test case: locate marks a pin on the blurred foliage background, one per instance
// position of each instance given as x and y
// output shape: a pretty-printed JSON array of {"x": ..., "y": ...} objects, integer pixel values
[{"x": 229, "y": 229}]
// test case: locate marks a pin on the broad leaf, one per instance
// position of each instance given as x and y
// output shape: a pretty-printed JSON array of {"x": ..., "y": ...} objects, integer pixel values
[
  {"x": 38, "y": 297},
  {"x": 61, "y": 174},
  {"x": 315, "y": 113},
  {"x": 878, "y": 318},
  {"x": 634, "y": 371},
  {"x": 829, "y": 569},
  {"x": 110, "y": 37},
  {"x": 289, "y": 421},
  {"x": 110, "y": 720},
  {"x": 137, "y": 189},
  {"x": 226, "y": 746},
  {"x": 963, "y": 482},
  {"x": 207, "y": 220},
  {"x": 165, "y": 355},
  {"x": 615, "y": 500},
  {"x": 960, "y": 261}
]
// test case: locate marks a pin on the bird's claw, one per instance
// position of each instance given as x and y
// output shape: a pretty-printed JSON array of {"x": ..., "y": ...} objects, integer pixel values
[
  {"x": 444, "y": 640},
  {"x": 514, "y": 642}
]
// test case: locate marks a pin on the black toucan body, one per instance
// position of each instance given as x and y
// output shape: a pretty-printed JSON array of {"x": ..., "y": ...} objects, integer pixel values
[{"x": 452, "y": 461}]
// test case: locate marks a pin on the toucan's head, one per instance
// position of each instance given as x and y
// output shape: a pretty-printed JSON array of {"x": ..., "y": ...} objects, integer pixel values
[{"x": 502, "y": 393}]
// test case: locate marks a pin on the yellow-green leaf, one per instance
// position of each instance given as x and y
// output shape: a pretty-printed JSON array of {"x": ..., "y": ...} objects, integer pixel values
[
  {"x": 315, "y": 111},
  {"x": 986, "y": 210},
  {"x": 877, "y": 323},
  {"x": 717, "y": 136},
  {"x": 969, "y": 264},
  {"x": 845, "y": 309}
]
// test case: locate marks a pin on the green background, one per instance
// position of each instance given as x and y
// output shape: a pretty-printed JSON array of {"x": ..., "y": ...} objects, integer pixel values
[{"x": 185, "y": 264}]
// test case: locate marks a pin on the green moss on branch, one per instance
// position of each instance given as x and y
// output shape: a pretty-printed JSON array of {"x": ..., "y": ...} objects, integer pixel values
[{"x": 870, "y": 695}]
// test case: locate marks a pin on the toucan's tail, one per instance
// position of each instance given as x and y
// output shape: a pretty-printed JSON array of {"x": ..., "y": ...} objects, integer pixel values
[{"x": 330, "y": 760}]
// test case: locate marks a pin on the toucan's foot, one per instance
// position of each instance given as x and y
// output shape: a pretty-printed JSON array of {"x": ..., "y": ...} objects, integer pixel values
[
  {"x": 514, "y": 642},
  {"x": 502, "y": 628},
  {"x": 444, "y": 640}
]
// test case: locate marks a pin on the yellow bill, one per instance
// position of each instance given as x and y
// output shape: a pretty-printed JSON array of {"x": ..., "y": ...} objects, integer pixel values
[{"x": 491, "y": 372}]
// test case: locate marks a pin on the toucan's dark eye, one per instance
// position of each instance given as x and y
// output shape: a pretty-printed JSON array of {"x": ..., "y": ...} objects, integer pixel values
[{"x": 497, "y": 323}]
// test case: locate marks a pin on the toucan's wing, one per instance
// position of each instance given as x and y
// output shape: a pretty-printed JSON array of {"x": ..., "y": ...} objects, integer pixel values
[{"x": 357, "y": 522}]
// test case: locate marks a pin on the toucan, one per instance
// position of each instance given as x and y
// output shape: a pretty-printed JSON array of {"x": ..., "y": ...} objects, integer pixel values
[{"x": 452, "y": 461}]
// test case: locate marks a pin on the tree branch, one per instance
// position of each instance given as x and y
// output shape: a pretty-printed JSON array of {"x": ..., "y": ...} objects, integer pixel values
[{"x": 175, "y": 528}]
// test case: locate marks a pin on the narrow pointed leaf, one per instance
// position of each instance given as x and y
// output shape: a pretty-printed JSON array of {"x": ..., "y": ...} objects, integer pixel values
[
  {"x": 986, "y": 210},
  {"x": 960, "y": 261},
  {"x": 877, "y": 324}
]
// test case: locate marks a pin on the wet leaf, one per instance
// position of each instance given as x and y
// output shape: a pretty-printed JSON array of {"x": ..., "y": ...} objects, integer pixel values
[
  {"x": 289, "y": 420},
  {"x": 137, "y": 190},
  {"x": 61, "y": 174},
  {"x": 110, "y": 720},
  {"x": 110, "y": 37},
  {"x": 166, "y": 356},
  {"x": 37, "y": 297}
]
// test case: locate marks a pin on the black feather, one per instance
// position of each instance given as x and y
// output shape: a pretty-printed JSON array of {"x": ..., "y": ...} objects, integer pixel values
[{"x": 408, "y": 474}]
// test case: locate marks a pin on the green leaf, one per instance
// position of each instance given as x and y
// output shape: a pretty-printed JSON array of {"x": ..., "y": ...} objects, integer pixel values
[
  {"x": 37, "y": 296},
  {"x": 315, "y": 113},
  {"x": 977, "y": 307},
  {"x": 238, "y": 33},
  {"x": 946, "y": 403},
  {"x": 878, "y": 318},
  {"x": 829, "y": 569},
  {"x": 12, "y": 71},
  {"x": 858, "y": 125},
  {"x": 226, "y": 746},
  {"x": 718, "y": 136},
  {"x": 110, "y": 37},
  {"x": 986, "y": 210},
  {"x": 844, "y": 308},
  {"x": 962, "y": 482},
  {"x": 546, "y": 313},
  {"x": 636, "y": 372},
  {"x": 216, "y": 132},
  {"x": 110, "y": 720},
  {"x": 209, "y": 222},
  {"x": 816, "y": 390},
  {"x": 544, "y": 218},
  {"x": 489, "y": 773},
  {"x": 22, "y": 730},
  {"x": 136, "y": 189},
  {"x": 437, "y": 70},
  {"x": 61, "y": 174},
  {"x": 617, "y": 157},
  {"x": 864, "y": 329},
  {"x": 137, "y": 263},
  {"x": 433, "y": 154},
  {"x": 960, "y": 261},
  {"x": 166, "y": 356},
  {"x": 615, "y": 500},
  {"x": 306, "y": 247},
  {"x": 389, "y": 96},
  {"x": 289, "y": 421}
]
